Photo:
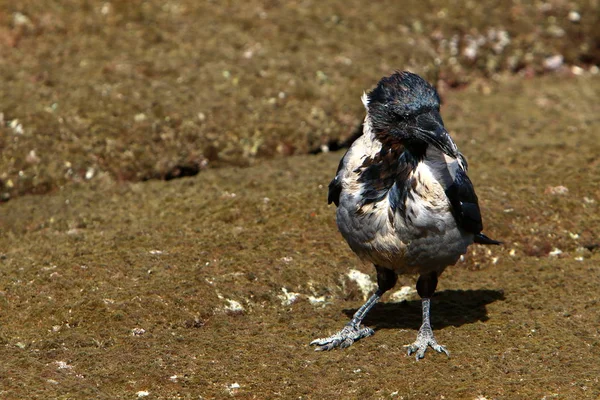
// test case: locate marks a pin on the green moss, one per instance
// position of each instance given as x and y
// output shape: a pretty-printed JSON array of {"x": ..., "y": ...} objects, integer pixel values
[{"x": 88, "y": 262}]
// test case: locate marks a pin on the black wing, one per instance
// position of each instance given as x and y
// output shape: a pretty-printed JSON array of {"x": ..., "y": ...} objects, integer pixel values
[
  {"x": 465, "y": 207},
  {"x": 377, "y": 174},
  {"x": 335, "y": 186}
]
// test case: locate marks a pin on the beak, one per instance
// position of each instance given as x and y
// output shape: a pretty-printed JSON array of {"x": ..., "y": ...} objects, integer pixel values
[{"x": 429, "y": 128}]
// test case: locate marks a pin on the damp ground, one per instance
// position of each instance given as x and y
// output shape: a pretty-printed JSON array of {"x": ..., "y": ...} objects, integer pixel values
[
  {"x": 119, "y": 281},
  {"x": 125, "y": 91}
]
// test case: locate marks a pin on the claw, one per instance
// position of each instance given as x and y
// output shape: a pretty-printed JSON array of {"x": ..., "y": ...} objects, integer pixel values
[
  {"x": 425, "y": 339},
  {"x": 342, "y": 339},
  {"x": 441, "y": 349}
]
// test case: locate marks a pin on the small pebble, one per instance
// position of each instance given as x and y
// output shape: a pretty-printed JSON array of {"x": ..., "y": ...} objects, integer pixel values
[
  {"x": 138, "y": 331},
  {"x": 233, "y": 388},
  {"x": 555, "y": 252},
  {"x": 557, "y": 190},
  {"x": 554, "y": 62},
  {"x": 577, "y": 70},
  {"x": 63, "y": 365},
  {"x": 574, "y": 16},
  {"x": 288, "y": 298},
  {"x": 89, "y": 174},
  {"x": 234, "y": 306}
]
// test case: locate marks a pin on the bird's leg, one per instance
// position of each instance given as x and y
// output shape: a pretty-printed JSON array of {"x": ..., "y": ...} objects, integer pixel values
[
  {"x": 425, "y": 336},
  {"x": 352, "y": 331},
  {"x": 426, "y": 287},
  {"x": 386, "y": 279}
]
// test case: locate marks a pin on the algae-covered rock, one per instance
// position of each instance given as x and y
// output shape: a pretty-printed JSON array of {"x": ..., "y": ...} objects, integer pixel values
[{"x": 136, "y": 90}]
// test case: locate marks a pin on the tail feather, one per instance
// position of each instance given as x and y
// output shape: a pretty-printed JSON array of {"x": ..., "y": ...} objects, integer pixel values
[{"x": 482, "y": 239}]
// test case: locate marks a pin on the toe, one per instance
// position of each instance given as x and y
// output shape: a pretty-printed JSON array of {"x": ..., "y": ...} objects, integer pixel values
[
  {"x": 420, "y": 347},
  {"x": 364, "y": 332},
  {"x": 327, "y": 346},
  {"x": 319, "y": 342},
  {"x": 441, "y": 349},
  {"x": 324, "y": 344},
  {"x": 411, "y": 348},
  {"x": 344, "y": 338}
]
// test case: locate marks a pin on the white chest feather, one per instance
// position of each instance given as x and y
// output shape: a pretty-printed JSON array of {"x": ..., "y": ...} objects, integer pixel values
[{"x": 419, "y": 235}]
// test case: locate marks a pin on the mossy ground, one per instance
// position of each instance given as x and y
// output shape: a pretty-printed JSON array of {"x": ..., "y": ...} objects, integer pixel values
[
  {"x": 85, "y": 268},
  {"x": 113, "y": 283}
]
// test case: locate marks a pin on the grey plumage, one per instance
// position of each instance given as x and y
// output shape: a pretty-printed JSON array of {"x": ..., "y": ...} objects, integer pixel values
[{"x": 405, "y": 202}]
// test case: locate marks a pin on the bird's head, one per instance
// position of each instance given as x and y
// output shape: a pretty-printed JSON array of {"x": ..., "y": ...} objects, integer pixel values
[{"x": 405, "y": 108}]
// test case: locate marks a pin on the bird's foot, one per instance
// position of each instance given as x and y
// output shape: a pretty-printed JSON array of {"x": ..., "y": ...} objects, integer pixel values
[
  {"x": 425, "y": 339},
  {"x": 342, "y": 339}
]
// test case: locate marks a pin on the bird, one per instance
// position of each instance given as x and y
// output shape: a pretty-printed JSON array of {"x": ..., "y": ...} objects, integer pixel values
[{"x": 404, "y": 200}]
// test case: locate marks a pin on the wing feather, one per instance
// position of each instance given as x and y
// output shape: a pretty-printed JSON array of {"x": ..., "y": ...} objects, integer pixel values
[
  {"x": 335, "y": 186},
  {"x": 465, "y": 205}
]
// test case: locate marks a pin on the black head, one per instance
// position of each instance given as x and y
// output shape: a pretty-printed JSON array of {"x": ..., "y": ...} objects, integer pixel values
[
  {"x": 401, "y": 95},
  {"x": 405, "y": 108}
]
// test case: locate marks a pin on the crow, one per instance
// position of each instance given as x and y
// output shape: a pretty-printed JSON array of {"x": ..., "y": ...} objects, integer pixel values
[{"x": 404, "y": 200}]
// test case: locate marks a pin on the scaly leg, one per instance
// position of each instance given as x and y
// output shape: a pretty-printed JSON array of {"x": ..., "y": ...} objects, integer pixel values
[
  {"x": 352, "y": 331},
  {"x": 386, "y": 279},
  {"x": 425, "y": 336},
  {"x": 426, "y": 287}
]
